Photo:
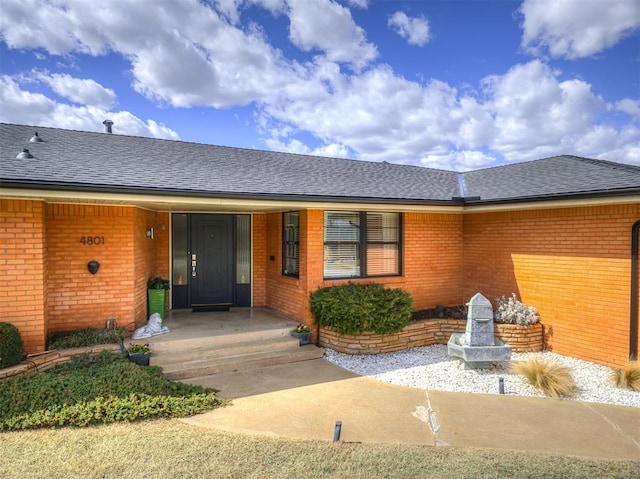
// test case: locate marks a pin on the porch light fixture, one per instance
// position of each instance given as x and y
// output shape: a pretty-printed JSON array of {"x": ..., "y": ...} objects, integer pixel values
[
  {"x": 150, "y": 233},
  {"x": 93, "y": 266},
  {"x": 24, "y": 155}
]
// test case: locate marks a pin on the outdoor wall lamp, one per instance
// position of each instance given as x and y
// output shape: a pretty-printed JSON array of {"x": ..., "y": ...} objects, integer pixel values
[
  {"x": 93, "y": 266},
  {"x": 150, "y": 233}
]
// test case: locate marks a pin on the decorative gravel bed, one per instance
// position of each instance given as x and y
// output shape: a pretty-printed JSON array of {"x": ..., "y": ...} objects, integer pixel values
[{"x": 430, "y": 367}]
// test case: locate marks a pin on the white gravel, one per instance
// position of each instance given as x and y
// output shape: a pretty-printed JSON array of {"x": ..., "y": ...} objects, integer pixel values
[{"x": 430, "y": 367}]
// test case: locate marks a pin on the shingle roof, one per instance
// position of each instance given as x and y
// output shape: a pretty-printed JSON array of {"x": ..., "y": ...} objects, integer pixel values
[
  {"x": 104, "y": 160},
  {"x": 75, "y": 159},
  {"x": 558, "y": 176}
]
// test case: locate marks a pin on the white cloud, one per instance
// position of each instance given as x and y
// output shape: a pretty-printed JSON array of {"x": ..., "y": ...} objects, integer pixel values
[
  {"x": 415, "y": 30},
  {"x": 27, "y": 108},
  {"x": 359, "y": 3},
  {"x": 311, "y": 20},
  {"x": 577, "y": 28},
  {"x": 630, "y": 107},
  {"x": 77, "y": 90},
  {"x": 531, "y": 106},
  {"x": 373, "y": 113}
]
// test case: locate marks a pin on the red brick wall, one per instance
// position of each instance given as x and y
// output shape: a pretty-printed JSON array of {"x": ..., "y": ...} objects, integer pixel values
[
  {"x": 432, "y": 262},
  {"x": 260, "y": 260},
  {"x": 150, "y": 259},
  {"x": 285, "y": 294},
  {"x": 77, "y": 298},
  {"x": 23, "y": 269},
  {"x": 573, "y": 264}
]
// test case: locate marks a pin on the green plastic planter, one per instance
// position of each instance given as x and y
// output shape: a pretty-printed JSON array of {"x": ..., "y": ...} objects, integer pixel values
[{"x": 156, "y": 301}]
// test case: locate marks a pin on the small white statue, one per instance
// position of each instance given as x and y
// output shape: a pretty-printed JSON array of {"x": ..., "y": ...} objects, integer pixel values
[{"x": 153, "y": 328}]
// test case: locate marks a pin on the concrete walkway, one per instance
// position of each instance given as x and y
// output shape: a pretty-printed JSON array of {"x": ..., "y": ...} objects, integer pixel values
[{"x": 304, "y": 400}]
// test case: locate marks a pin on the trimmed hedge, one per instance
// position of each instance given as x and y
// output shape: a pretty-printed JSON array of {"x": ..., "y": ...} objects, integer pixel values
[
  {"x": 10, "y": 345},
  {"x": 357, "y": 308}
]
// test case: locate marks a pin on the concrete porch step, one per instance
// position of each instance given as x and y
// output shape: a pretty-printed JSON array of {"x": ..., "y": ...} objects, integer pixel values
[
  {"x": 166, "y": 344},
  {"x": 209, "y": 355},
  {"x": 193, "y": 356},
  {"x": 222, "y": 364}
]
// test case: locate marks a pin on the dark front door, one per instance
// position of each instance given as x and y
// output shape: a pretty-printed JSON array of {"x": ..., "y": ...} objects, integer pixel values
[{"x": 212, "y": 255}]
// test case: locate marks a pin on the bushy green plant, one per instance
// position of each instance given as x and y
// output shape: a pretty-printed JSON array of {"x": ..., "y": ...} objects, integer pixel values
[
  {"x": 104, "y": 410},
  {"x": 552, "y": 379},
  {"x": 10, "y": 345},
  {"x": 512, "y": 311},
  {"x": 114, "y": 389},
  {"x": 85, "y": 337},
  {"x": 357, "y": 308},
  {"x": 627, "y": 376},
  {"x": 158, "y": 283}
]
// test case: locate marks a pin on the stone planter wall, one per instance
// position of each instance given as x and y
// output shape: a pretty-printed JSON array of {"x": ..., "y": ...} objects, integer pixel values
[
  {"x": 43, "y": 361},
  {"x": 425, "y": 333},
  {"x": 522, "y": 339}
]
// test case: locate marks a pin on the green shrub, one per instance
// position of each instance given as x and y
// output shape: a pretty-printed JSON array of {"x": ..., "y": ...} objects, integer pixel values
[
  {"x": 10, "y": 345},
  {"x": 85, "y": 337},
  {"x": 357, "y": 308},
  {"x": 104, "y": 410},
  {"x": 115, "y": 389}
]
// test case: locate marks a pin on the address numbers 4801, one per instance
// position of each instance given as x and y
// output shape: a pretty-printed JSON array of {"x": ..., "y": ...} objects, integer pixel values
[{"x": 92, "y": 240}]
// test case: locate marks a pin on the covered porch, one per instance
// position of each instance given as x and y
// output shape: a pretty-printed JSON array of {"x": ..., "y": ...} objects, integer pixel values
[{"x": 219, "y": 349}]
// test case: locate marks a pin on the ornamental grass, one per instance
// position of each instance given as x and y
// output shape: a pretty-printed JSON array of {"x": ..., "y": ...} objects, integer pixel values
[
  {"x": 552, "y": 379},
  {"x": 627, "y": 376}
]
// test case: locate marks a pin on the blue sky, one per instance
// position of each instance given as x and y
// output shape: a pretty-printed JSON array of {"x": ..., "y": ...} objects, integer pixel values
[{"x": 448, "y": 84}]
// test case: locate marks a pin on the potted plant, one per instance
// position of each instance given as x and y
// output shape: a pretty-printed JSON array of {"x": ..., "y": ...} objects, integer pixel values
[
  {"x": 157, "y": 292},
  {"x": 139, "y": 353},
  {"x": 303, "y": 333}
]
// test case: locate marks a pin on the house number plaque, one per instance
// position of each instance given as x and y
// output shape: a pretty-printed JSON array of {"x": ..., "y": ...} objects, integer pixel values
[{"x": 92, "y": 240}]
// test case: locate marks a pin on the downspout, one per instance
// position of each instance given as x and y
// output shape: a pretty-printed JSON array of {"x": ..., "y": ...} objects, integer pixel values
[{"x": 633, "y": 320}]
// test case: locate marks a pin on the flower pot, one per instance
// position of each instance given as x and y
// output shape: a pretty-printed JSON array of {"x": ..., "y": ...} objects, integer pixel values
[
  {"x": 303, "y": 338},
  {"x": 140, "y": 359},
  {"x": 156, "y": 301}
]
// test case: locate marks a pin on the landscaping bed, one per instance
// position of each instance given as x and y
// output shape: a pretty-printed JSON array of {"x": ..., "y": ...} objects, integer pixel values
[{"x": 428, "y": 327}]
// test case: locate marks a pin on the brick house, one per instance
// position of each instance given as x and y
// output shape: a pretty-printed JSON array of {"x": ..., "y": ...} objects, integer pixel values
[{"x": 239, "y": 227}]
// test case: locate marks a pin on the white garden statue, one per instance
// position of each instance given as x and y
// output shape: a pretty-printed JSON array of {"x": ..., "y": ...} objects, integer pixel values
[{"x": 153, "y": 328}]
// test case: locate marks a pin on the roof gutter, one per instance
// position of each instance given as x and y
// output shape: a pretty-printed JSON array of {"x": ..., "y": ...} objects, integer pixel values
[
  {"x": 477, "y": 201},
  {"x": 633, "y": 307},
  {"x": 215, "y": 194}
]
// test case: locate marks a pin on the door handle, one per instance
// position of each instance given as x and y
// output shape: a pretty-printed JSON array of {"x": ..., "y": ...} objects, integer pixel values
[{"x": 193, "y": 265}]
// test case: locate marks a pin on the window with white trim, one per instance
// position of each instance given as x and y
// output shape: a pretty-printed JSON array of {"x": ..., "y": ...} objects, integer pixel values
[{"x": 359, "y": 244}]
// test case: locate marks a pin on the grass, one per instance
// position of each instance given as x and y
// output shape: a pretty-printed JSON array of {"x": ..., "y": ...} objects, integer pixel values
[
  {"x": 628, "y": 376},
  {"x": 552, "y": 379},
  {"x": 170, "y": 448}
]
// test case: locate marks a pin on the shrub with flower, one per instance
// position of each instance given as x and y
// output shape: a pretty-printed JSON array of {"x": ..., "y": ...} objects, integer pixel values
[
  {"x": 512, "y": 311},
  {"x": 135, "y": 348},
  {"x": 301, "y": 328}
]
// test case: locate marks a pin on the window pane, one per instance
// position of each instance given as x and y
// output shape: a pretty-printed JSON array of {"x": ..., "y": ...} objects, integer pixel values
[
  {"x": 179, "y": 250},
  {"x": 382, "y": 259},
  {"x": 382, "y": 227},
  {"x": 341, "y": 226},
  {"x": 290, "y": 243},
  {"x": 341, "y": 260},
  {"x": 243, "y": 249}
]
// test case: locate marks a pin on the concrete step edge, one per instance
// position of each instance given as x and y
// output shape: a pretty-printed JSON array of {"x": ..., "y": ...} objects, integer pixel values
[
  {"x": 166, "y": 343},
  {"x": 248, "y": 362},
  {"x": 167, "y": 358}
]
